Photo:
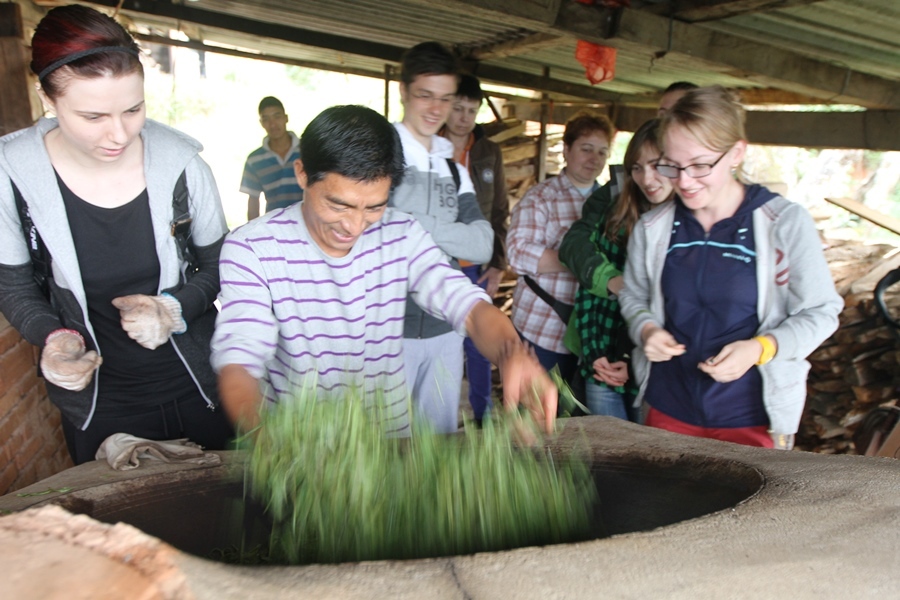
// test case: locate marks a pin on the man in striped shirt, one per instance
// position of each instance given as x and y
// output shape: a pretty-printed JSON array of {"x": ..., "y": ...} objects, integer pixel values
[
  {"x": 269, "y": 169},
  {"x": 318, "y": 295}
]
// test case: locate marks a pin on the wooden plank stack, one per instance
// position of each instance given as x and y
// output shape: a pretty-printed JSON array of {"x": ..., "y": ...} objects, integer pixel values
[
  {"x": 858, "y": 368},
  {"x": 519, "y": 143}
]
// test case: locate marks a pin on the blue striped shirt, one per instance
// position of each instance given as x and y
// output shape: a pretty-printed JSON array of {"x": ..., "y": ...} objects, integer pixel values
[
  {"x": 291, "y": 312},
  {"x": 265, "y": 172}
]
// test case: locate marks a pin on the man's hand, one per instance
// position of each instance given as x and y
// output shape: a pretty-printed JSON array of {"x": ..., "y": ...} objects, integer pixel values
[
  {"x": 614, "y": 374},
  {"x": 240, "y": 395},
  {"x": 732, "y": 361},
  {"x": 65, "y": 363},
  {"x": 493, "y": 276},
  {"x": 525, "y": 381},
  {"x": 659, "y": 344},
  {"x": 150, "y": 320}
]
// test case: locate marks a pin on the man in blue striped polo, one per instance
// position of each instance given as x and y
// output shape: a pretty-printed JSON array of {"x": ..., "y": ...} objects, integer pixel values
[{"x": 269, "y": 169}]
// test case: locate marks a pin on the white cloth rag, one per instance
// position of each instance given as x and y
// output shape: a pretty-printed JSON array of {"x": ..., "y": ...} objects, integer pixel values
[{"x": 124, "y": 451}]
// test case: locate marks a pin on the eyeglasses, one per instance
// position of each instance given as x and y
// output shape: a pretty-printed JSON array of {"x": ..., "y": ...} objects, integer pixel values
[
  {"x": 427, "y": 98},
  {"x": 694, "y": 171}
]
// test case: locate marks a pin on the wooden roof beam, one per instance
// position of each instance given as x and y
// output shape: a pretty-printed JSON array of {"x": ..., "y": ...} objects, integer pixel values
[{"x": 866, "y": 130}]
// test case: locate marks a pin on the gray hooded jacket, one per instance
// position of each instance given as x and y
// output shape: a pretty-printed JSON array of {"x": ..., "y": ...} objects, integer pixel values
[{"x": 167, "y": 153}]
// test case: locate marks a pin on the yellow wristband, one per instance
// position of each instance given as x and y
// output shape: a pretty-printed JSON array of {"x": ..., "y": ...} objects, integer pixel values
[{"x": 768, "y": 349}]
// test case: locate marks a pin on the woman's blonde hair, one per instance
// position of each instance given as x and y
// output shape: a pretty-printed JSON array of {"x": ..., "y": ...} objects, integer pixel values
[
  {"x": 632, "y": 203},
  {"x": 713, "y": 115}
]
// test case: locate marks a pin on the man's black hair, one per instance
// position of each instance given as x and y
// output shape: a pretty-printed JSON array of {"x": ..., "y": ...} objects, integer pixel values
[
  {"x": 427, "y": 58},
  {"x": 681, "y": 85},
  {"x": 470, "y": 88},
  {"x": 270, "y": 101},
  {"x": 354, "y": 142}
]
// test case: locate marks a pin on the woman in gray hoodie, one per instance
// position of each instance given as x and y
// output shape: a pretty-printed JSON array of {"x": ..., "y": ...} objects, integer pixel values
[
  {"x": 122, "y": 290},
  {"x": 726, "y": 288}
]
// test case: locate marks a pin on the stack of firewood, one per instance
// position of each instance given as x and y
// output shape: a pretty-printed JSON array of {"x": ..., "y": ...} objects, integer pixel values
[{"x": 858, "y": 368}]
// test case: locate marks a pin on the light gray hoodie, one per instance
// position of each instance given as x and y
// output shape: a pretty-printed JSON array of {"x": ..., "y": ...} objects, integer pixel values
[
  {"x": 798, "y": 304},
  {"x": 167, "y": 152},
  {"x": 451, "y": 216}
]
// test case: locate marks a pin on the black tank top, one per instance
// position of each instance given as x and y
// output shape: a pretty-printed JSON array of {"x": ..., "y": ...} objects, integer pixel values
[{"x": 117, "y": 256}]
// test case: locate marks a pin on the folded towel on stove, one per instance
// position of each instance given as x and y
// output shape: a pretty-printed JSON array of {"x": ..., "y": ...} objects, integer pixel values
[{"x": 123, "y": 452}]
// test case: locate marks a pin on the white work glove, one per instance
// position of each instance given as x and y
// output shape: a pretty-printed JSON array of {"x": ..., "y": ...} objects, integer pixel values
[
  {"x": 782, "y": 441},
  {"x": 150, "y": 320},
  {"x": 64, "y": 361}
]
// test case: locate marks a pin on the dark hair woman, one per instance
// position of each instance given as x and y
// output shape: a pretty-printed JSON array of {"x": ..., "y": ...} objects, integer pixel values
[
  {"x": 124, "y": 324},
  {"x": 594, "y": 250}
]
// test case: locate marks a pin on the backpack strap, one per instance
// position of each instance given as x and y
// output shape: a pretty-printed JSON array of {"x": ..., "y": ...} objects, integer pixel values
[
  {"x": 181, "y": 224},
  {"x": 40, "y": 257},
  {"x": 454, "y": 171}
]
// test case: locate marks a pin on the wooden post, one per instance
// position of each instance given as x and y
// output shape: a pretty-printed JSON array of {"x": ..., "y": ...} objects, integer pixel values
[
  {"x": 15, "y": 104},
  {"x": 388, "y": 73},
  {"x": 493, "y": 107},
  {"x": 542, "y": 140}
]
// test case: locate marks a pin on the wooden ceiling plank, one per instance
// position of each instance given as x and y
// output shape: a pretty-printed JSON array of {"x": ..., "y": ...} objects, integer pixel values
[
  {"x": 696, "y": 11},
  {"x": 309, "y": 64},
  {"x": 528, "y": 43},
  {"x": 259, "y": 28}
]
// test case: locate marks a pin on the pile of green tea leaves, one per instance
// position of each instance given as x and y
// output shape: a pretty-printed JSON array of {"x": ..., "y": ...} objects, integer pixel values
[{"x": 338, "y": 489}]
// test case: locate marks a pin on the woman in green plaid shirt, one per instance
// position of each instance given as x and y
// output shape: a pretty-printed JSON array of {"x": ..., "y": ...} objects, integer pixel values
[{"x": 594, "y": 250}]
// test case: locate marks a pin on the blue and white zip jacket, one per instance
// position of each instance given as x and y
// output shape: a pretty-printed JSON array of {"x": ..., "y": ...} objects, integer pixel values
[{"x": 795, "y": 302}]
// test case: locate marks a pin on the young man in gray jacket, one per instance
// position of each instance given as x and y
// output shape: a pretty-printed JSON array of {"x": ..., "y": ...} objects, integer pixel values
[{"x": 440, "y": 195}]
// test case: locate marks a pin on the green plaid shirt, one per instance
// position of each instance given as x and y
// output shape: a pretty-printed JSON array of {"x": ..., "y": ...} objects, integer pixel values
[{"x": 600, "y": 326}]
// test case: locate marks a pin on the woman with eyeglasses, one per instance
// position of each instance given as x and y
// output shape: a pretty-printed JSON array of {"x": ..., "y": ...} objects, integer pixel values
[{"x": 726, "y": 288}]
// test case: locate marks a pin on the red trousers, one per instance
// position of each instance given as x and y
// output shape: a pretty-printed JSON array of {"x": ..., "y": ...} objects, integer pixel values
[{"x": 748, "y": 436}]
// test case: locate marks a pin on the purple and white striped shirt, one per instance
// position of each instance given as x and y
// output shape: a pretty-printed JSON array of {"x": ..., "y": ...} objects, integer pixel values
[{"x": 291, "y": 312}]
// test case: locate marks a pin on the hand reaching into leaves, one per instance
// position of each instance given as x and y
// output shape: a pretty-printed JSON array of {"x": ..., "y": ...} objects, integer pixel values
[{"x": 525, "y": 381}]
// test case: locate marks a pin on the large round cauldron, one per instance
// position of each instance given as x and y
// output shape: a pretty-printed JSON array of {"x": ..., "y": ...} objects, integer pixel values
[{"x": 686, "y": 518}]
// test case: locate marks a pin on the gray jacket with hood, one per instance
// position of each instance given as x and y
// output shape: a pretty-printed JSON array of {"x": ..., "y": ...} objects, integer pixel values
[
  {"x": 798, "y": 303},
  {"x": 167, "y": 153},
  {"x": 451, "y": 216}
]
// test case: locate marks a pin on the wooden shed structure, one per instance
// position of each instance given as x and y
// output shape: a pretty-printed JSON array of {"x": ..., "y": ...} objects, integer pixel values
[{"x": 783, "y": 56}]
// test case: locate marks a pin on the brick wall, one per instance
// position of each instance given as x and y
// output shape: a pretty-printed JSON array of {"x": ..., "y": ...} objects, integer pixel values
[{"x": 33, "y": 447}]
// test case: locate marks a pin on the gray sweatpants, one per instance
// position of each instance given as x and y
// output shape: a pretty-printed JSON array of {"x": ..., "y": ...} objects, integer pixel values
[{"x": 434, "y": 370}]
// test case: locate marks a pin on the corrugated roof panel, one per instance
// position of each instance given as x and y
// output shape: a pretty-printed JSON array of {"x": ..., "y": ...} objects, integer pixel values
[
  {"x": 395, "y": 23},
  {"x": 863, "y": 35},
  {"x": 859, "y": 34}
]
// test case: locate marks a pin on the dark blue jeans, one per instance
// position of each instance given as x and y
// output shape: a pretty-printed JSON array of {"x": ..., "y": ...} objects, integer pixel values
[{"x": 478, "y": 368}]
